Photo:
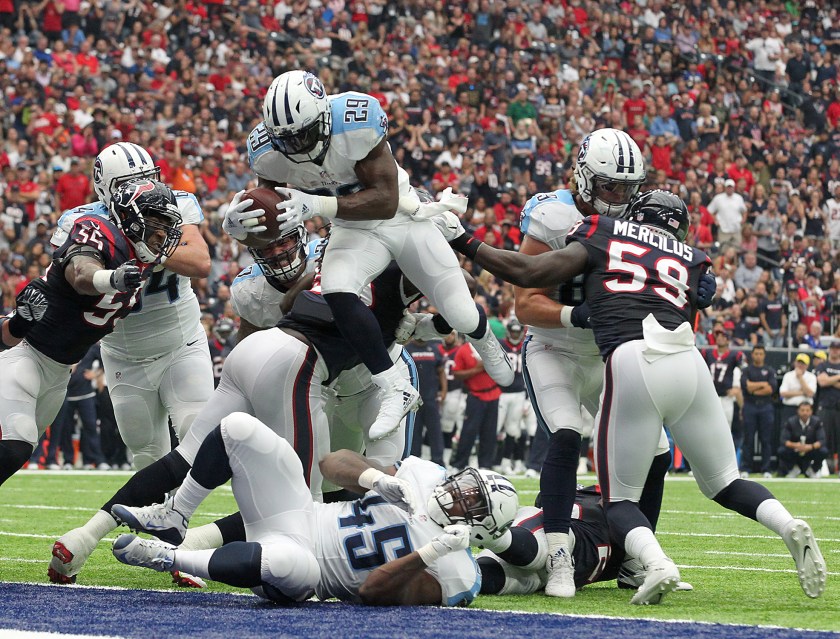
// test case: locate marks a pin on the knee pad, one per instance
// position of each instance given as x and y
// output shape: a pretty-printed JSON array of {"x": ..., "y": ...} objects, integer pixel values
[
  {"x": 237, "y": 564},
  {"x": 289, "y": 572},
  {"x": 13, "y": 455}
]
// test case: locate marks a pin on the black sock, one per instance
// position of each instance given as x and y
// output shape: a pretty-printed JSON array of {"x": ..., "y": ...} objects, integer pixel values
[
  {"x": 13, "y": 455},
  {"x": 211, "y": 467},
  {"x": 492, "y": 576},
  {"x": 743, "y": 497},
  {"x": 558, "y": 480},
  {"x": 479, "y": 332},
  {"x": 523, "y": 548},
  {"x": 650, "y": 503},
  {"x": 441, "y": 325},
  {"x": 232, "y": 528},
  {"x": 150, "y": 485},
  {"x": 359, "y": 327},
  {"x": 624, "y": 516}
]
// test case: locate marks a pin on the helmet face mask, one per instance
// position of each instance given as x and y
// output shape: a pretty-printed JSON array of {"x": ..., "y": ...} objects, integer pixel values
[
  {"x": 481, "y": 499},
  {"x": 661, "y": 209},
  {"x": 147, "y": 214},
  {"x": 297, "y": 116},
  {"x": 283, "y": 260},
  {"x": 118, "y": 164},
  {"x": 514, "y": 332},
  {"x": 609, "y": 171}
]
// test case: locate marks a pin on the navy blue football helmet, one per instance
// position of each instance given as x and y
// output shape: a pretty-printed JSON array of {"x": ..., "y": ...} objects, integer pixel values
[{"x": 661, "y": 209}]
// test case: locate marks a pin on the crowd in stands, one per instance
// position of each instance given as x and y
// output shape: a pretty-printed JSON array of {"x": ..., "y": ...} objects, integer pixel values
[{"x": 735, "y": 104}]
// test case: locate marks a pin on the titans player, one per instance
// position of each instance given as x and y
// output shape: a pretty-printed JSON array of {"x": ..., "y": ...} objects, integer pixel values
[
  {"x": 93, "y": 281},
  {"x": 641, "y": 283},
  {"x": 334, "y": 149}
]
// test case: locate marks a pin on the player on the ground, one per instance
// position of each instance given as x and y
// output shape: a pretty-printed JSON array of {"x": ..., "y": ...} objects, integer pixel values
[
  {"x": 93, "y": 281},
  {"x": 333, "y": 149},
  {"x": 405, "y": 543},
  {"x": 157, "y": 360},
  {"x": 641, "y": 284}
]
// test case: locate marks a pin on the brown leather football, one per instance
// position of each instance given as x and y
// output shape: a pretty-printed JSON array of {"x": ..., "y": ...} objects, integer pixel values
[{"x": 267, "y": 200}]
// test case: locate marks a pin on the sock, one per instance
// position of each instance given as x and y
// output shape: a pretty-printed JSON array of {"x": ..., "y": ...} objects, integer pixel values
[
  {"x": 744, "y": 497},
  {"x": 100, "y": 524},
  {"x": 441, "y": 325},
  {"x": 523, "y": 548},
  {"x": 492, "y": 576},
  {"x": 558, "y": 481},
  {"x": 479, "y": 332},
  {"x": 232, "y": 528},
  {"x": 150, "y": 484},
  {"x": 194, "y": 562},
  {"x": 203, "y": 537},
  {"x": 189, "y": 497},
  {"x": 359, "y": 327},
  {"x": 771, "y": 514},
  {"x": 641, "y": 543},
  {"x": 556, "y": 541},
  {"x": 650, "y": 502}
]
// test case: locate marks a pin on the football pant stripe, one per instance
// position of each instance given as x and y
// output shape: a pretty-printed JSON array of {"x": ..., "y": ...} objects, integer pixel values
[
  {"x": 301, "y": 415},
  {"x": 532, "y": 396},
  {"x": 414, "y": 377},
  {"x": 603, "y": 432}
]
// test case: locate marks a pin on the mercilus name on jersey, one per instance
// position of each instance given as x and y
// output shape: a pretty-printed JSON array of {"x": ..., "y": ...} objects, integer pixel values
[{"x": 656, "y": 239}]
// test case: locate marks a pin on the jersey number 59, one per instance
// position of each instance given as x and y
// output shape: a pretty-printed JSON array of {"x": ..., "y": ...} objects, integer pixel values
[{"x": 670, "y": 281}]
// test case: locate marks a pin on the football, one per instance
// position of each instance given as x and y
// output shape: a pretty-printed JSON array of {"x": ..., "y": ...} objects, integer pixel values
[{"x": 265, "y": 199}]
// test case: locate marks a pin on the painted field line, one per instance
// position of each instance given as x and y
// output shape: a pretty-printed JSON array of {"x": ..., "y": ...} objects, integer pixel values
[
  {"x": 744, "y": 568},
  {"x": 726, "y": 536}
]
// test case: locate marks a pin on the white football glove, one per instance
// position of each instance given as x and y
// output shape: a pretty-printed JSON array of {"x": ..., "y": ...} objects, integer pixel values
[
  {"x": 300, "y": 206},
  {"x": 449, "y": 225},
  {"x": 394, "y": 490},
  {"x": 447, "y": 201},
  {"x": 454, "y": 537},
  {"x": 238, "y": 222},
  {"x": 405, "y": 329}
]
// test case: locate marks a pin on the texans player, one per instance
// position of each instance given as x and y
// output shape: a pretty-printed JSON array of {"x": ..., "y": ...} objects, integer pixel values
[
  {"x": 640, "y": 284},
  {"x": 512, "y": 403},
  {"x": 92, "y": 282},
  {"x": 334, "y": 149},
  {"x": 417, "y": 521},
  {"x": 454, "y": 400}
]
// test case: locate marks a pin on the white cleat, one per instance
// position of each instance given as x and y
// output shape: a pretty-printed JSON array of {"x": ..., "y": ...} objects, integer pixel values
[
  {"x": 69, "y": 554},
  {"x": 661, "y": 578},
  {"x": 561, "y": 574},
  {"x": 810, "y": 565},
  {"x": 160, "y": 520},
  {"x": 397, "y": 399},
  {"x": 631, "y": 575},
  {"x": 145, "y": 553},
  {"x": 496, "y": 362}
]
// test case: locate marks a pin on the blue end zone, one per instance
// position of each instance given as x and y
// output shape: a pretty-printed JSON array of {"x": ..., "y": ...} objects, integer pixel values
[{"x": 142, "y": 614}]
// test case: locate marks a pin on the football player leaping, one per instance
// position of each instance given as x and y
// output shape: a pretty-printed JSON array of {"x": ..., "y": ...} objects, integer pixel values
[
  {"x": 157, "y": 360},
  {"x": 92, "y": 282},
  {"x": 334, "y": 149},
  {"x": 405, "y": 543}
]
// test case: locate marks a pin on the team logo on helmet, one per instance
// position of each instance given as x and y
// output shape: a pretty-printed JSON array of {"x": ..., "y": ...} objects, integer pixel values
[
  {"x": 139, "y": 189},
  {"x": 314, "y": 86},
  {"x": 584, "y": 148},
  {"x": 97, "y": 170}
]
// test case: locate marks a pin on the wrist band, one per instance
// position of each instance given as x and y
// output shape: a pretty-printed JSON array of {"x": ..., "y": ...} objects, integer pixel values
[
  {"x": 329, "y": 205},
  {"x": 102, "y": 281},
  {"x": 367, "y": 478},
  {"x": 466, "y": 244},
  {"x": 429, "y": 554},
  {"x": 18, "y": 327},
  {"x": 566, "y": 316}
]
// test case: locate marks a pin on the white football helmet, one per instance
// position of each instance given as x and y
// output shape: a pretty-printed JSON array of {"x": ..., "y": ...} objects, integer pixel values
[
  {"x": 482, "y": 499},
  {"x": 120, "y": 163},
  {"x": 609, "y": 171},
  {"x": 297, "y": 116}
]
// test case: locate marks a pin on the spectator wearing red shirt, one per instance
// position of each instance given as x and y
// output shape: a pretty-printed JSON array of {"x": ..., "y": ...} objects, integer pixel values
[
  {"x": 661, "y": 155},
  {"x": 23, "y": 191},
  {"x": 505, "y": 209},
  {"x": 738, "y": 171},
  {"x": 444, "y": 178},
  {"x": 73, "y": 188},
  {"x": 701, "y": 234},
  {"x": 482, "y": 410},
  {"x": 633, "y": 106},
  {"x": 490, "y": 232}
]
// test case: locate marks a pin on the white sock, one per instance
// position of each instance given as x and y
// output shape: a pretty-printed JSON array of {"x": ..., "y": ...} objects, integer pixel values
[
  {"x": 189, "y": 497},
  {"x": 556, "y": 541},
  {"x": 771, "y": 514},
  {"x": 100, "y": 524},
  {"x": 202, "y": 538},
  {"x": 194, "y": 562},
  {"x": 641, "y": 543}
]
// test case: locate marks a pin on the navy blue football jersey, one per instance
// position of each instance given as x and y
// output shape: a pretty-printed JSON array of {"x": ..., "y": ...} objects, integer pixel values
[
  {"x": 74, "y": 322},
  {"x": 632, "y": 271},
  {"x": 722, "y": 366},
  {"x": 448, "y": 355},
  {"x": 311, "y": 316},
  {"x": 514, "y": 352}
]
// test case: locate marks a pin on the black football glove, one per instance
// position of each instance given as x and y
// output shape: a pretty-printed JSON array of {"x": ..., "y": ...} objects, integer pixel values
[
  {"x": 126, "y": 277},
  {"x": 31, "y": 304},
  {"x": 706, "y": 290},
  {"x": 580, "y": 316}
]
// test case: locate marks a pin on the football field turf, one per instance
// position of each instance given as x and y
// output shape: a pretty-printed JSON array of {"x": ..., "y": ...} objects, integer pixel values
[{"x": 742, "y": 573}]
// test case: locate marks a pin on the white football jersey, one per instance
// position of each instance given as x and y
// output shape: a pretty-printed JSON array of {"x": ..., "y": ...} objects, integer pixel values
[
  {"x": 358, "y": 125},
  {"x": 354, "y": 538},
  {"x": 167, "y": 313},
  {"x": 548, "y": 217}
]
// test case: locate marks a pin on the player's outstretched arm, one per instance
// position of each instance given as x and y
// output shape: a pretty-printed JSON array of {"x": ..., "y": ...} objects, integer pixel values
[
  {"x": 88, "y": 276},
  {"x": 30, "y": 306},
  {"x": 534, "y": 306},
  {"x": 192, "y": 257},
  {"x": 345, "y": 467},
  {"x": 381, "y": 194}
]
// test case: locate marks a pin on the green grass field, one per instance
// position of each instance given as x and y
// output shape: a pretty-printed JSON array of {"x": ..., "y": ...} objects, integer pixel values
[{"x": 741, "y": 572}]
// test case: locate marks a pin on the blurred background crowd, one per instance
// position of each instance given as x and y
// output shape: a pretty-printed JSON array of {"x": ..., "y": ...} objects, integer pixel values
[{"x": 735, "y": 104}]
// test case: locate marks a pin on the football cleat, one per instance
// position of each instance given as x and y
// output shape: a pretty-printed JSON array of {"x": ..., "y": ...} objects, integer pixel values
[
  {"x": 160, "y": 520},
  {"x": 810, "y": 565},
  {"x": 561, "y": 574},
  {"x": 631, "y": 575},
  {"x": 69, "y": 554},
  {"x": 496, "y": 362},
  {"x": 145, "y": 553},
  {"x": 661, "y": 578},
  {"x": 397, "y": 399},
  {"x": 185, "y": 580}
]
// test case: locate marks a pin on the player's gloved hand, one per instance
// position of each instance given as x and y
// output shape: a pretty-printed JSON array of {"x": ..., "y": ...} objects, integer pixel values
[
  {"x": 405, "y": 329},
  {"x": 300, "y": 206},
  {"x": 31, "y": 304},
  {"x": 454, "y": 537},
  {"x": 238, "y": 222},
  {"x": 394, "y": 490},
  {"x": 706, "y": 290},
  {"x": 126, "y": 277},
  {"x": 580, "y": 316},
  {"x": 447, "y": 201},
  {"x": 449, "y": 225}
]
